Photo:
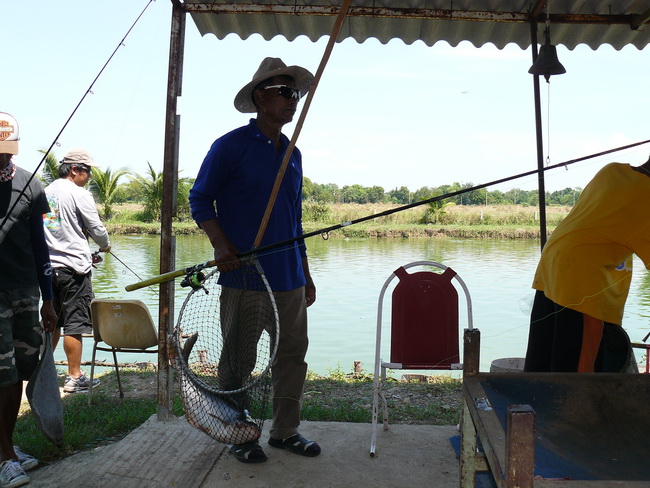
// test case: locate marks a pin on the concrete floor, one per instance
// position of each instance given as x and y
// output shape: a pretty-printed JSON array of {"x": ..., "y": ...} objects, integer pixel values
[{"x": 174, "y": 454}]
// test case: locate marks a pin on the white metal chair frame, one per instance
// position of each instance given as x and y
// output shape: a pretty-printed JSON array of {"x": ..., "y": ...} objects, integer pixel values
[{"x": 381, "y": 366}]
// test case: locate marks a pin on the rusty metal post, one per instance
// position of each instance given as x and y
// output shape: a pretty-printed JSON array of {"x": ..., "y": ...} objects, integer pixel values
[
  {"x": 520, "y": 446},
  {"x": 168, "y": 209}
]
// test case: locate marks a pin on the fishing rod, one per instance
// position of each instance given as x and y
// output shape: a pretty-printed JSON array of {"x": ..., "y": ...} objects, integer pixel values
[
  {"x": 195, "y": 269},
  {"x": 89, "y": 90}
]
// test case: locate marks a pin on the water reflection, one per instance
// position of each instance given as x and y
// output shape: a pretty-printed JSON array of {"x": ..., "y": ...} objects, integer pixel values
[{"x": 349, "y": 275}]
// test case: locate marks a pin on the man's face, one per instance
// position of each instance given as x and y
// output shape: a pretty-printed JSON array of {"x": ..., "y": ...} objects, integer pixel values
[
  {"x": 279, "y": 100},
  {"x": 80, "y": 174},
  {"x": 5, "y": 159}
]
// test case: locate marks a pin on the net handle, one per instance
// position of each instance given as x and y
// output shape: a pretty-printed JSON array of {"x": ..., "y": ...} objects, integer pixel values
[{"x": 303, "y": 114}]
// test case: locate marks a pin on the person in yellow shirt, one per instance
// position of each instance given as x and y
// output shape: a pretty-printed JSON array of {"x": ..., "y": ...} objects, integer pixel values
[{"x": 584, "y": 275}]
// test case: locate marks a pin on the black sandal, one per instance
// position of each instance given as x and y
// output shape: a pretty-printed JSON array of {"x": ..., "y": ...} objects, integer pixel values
[
  {"x": 297, "y": 444},
  {"x": 251, "y": 452}
]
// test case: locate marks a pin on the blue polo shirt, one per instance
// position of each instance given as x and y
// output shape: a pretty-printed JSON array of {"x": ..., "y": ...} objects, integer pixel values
[{"x": 234, "y": 185}]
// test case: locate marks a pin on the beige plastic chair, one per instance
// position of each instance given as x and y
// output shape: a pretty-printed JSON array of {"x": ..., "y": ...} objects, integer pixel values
[{"x": 123, "y": 326}]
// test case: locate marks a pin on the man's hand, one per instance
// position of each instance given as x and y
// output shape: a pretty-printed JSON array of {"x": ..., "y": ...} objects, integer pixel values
[
  {"x": 310, "y": 293},
  {"x": 225, "y": 255},
  {"x": 48, "y": 316}
]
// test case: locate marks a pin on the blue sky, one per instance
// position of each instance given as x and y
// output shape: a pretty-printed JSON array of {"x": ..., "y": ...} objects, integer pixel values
[{"x": 389, "y": 115}]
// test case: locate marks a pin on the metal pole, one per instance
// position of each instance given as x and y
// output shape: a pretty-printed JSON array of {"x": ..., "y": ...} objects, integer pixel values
[
  {"x": 540, "y": 141},
  {"x": 170, "y": 187}
]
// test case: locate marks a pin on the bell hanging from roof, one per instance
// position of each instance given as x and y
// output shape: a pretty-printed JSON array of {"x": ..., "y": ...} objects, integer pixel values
[{"x": 547, "y": 63}]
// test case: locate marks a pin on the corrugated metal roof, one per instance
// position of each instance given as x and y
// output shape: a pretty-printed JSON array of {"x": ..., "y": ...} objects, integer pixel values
[{"x": 500, "y": 22}]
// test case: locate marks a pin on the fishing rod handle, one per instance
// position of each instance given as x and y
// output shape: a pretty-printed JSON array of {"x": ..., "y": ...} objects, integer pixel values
[
  {"x": 156, "y": 280},
  {"x": 163, "y": 278}
]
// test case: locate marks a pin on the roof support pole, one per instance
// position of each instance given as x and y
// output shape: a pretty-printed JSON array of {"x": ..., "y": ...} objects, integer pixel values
[
  {"x": 540, "y": 142},
  {"x": 168, "y": 209}
]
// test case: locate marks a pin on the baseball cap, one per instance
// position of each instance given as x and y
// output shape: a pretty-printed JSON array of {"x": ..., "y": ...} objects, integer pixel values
[
  {"x": 8, "y": 134},
  {"x": 78, "y": 156}
]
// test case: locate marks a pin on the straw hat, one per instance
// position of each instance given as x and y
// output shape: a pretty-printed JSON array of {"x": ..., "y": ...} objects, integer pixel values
[{"x": 269, "y": 68}]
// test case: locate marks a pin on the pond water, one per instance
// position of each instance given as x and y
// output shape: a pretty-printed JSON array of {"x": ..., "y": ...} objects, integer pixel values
[{"x": 349, "y": 275}]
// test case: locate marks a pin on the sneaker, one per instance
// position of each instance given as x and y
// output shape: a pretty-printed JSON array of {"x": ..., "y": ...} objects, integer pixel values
[
  {"x": 26, "y": 461},
  {"x": 12, "y": 474},
  {"x": 82, "y": 383}
]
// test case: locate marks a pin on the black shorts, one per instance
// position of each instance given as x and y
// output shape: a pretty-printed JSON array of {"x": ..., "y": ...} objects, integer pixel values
[{"x": 72, "y": 296}]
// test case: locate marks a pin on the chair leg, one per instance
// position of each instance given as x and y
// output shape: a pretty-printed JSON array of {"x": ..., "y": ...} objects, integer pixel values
[
  {"x": 375, "y": 414},
  {"x": 117, "y": 373},
  {"x": 383, "y": 398},
  {"x": 92, "y": 374}
]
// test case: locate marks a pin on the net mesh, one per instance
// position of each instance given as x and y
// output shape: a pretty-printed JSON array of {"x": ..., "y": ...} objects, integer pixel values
[{"x": 224, "y": 342}]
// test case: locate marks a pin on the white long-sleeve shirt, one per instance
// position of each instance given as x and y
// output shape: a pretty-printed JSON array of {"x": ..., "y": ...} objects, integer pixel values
[{"x": 73, "y": 211}]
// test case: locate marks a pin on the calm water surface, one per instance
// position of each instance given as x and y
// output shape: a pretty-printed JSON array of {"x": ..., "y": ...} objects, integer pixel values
[{"x": 349, "y": 275}]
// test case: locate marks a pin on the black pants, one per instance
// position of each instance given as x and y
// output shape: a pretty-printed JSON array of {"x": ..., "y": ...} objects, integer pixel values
[{"x": 555, "y": 341}]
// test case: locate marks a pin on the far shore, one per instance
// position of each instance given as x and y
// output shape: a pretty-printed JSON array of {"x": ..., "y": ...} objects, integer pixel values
[{"x": 464, "y": 222}]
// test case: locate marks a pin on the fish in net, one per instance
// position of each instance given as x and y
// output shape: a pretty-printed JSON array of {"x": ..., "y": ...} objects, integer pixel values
[{"x": 222, "y": 349}]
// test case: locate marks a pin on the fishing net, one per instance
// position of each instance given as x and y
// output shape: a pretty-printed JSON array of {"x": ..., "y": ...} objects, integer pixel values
[{"x": 223, "y": 346}]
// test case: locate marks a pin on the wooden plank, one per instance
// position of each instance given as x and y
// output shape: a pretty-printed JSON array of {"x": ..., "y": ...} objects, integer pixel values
[
  {"x": 471, "y": 460},
  {"x": 471, "y": 351},
  {"x": 488, "y": 427},
  {"x": 520, "y": 446},
  {"x": 553, "y": 483}
]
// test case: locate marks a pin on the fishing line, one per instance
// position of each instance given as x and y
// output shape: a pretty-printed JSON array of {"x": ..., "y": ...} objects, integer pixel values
[
  {"x": 89, "y": 90},
  {"x": 260, "y": 250},
  {"x": 124, "y": 264},
  {"x": 572, "y": 306}
]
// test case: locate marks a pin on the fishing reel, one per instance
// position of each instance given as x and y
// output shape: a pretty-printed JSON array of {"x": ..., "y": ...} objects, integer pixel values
[
  {"x": 195, "y": 281},
  {"x": 96, "y": 258}
]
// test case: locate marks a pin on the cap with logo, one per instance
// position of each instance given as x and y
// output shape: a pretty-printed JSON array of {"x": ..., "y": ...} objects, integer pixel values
[{"x": 8, "y": 134}]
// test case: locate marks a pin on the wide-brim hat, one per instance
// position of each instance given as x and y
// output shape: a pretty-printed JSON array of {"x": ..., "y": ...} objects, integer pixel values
[
  {"x": 269, "y": 68},
  {"x": 8, "y": 134},
  {"x": 78, "y": 156}
]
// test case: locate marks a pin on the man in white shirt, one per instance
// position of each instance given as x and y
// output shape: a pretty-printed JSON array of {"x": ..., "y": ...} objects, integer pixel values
[{"x": 72, "y": 218}]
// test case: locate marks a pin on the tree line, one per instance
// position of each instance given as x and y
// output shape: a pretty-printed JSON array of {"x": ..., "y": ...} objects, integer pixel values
[
  {"x": 331, "y": 193},
  {"x": 121, "y": 186}
]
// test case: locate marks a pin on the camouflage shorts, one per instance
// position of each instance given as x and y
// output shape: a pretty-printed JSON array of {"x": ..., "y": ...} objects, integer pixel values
[{"x": 20, "y": 334}]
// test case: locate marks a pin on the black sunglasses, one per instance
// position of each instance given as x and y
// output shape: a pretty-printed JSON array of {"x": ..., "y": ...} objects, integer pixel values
[
  {"x": 285, "y": 91},
  {"x": 84, "y": 168}
]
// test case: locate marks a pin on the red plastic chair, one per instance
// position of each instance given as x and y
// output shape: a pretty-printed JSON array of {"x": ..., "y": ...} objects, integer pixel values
[{"x": 424, "y": 328}]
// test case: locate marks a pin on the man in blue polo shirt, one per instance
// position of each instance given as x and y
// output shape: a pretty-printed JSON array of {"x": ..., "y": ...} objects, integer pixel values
[{"x": 237, "y": 176}]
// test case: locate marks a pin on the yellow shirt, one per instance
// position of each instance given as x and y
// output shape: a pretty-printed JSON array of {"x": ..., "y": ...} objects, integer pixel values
[{"x": 586, "y": 265}]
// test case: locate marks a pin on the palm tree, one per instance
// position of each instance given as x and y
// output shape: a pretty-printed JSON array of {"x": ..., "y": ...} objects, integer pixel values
[
  {"x": 435, "y": 211},
  {"x": 153, "y": 190},
  {"x": 50, "y": 167},
  {"x": 104, "y": 184}
]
